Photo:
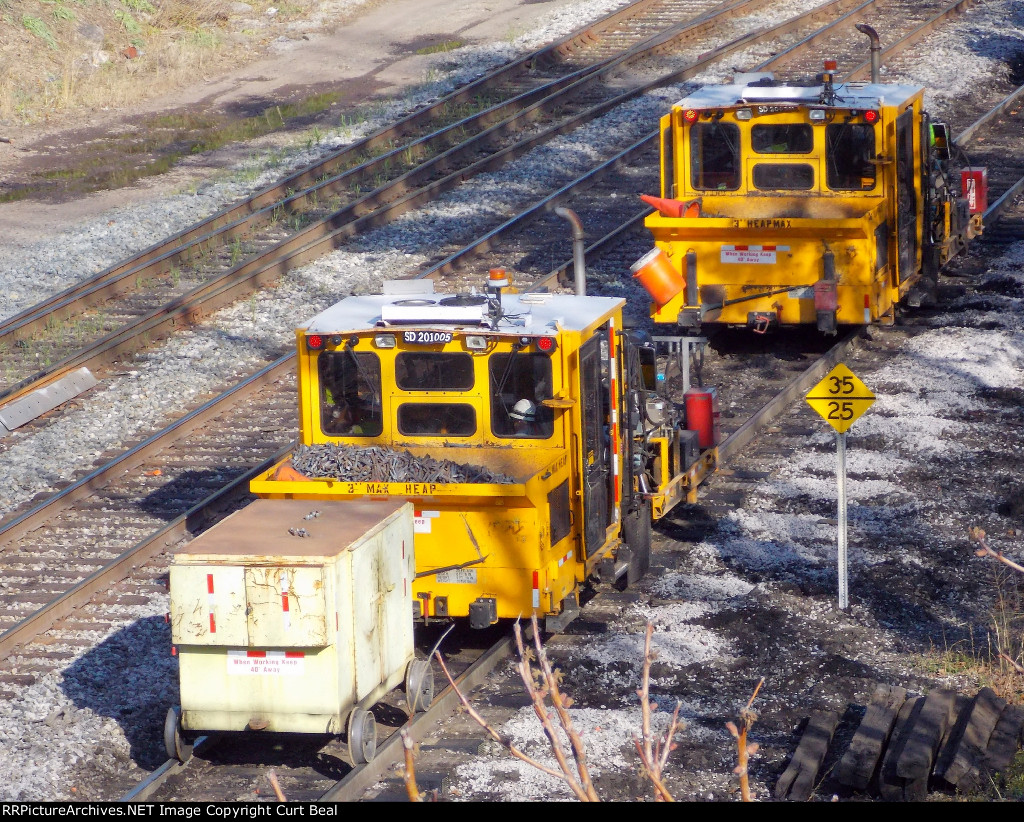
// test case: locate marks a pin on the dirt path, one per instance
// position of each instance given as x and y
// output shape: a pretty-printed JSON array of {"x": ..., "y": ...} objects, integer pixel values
[{"x": 370, "y": 57}]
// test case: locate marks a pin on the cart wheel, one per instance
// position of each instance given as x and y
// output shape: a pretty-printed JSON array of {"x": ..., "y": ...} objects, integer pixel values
[
  {"x": 362, "y": 736},
  {"x": 419, "y": 685},
  {"x": 174, "y": 742}
]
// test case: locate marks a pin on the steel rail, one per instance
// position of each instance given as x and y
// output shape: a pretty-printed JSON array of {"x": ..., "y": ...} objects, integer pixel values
[
  {"x": 262, "y": 207},
  {"x": 34, "y": 517},
  {"x": 309, "y": 175},
  {"x": 392, "y": 750},
  {"x": 1014, "y": 97},
  {"x": 118, "y": 569},
  {"x": 321, "y": 237}
]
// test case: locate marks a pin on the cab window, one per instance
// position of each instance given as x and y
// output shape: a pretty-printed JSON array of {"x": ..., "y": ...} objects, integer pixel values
[
  {"x": 436, "y": 419},
  {"x": 715, "y": 156},
  {"x": 519, "y": 384},
  {"x": 782, "y": 138},
  {"x": 434, "y": 371},
  {"x": 350, "y": 393},
  {"x": 776, "y": 176},
  {"x": 849, "y": 149}
]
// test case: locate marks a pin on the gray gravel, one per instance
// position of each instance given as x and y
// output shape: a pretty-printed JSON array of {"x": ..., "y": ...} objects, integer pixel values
[{"x": 102, "y": 715}]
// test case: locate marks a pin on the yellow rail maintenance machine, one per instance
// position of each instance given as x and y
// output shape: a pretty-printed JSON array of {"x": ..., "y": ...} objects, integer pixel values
[
  {"x": 819, "y": 205},
  {"x": 530, "y": 432}
]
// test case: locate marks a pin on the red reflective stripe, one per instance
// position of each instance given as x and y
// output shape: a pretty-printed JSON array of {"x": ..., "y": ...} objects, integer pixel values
[
  {"x": 536, "y": 580},
  {"x": 256, "y": 654},
  {"x": 867, "y": 301},
  {"x": 403, "y": 549},
  {"x": 284, "y": 601},
  {"x": 416, "y": 513},
  {"x": 209, "y": 583},
  {"x": 294, "y": 654},
  {"x": 213, "y": 625},
  {"x": 741, "y": 248}
]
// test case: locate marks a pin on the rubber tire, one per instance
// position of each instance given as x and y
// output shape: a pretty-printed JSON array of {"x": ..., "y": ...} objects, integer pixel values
[
  {"x": 362, "y": 736},
  {"x": 636, "y": 533},
  {"x": 174, "y": 742},
  {"x": 419, "y": 685}
]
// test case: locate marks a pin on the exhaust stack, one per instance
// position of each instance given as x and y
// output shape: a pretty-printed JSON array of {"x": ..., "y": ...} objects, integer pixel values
[
  {"x": 579, "y": 268},
  {"x": 876, "y": 50}
]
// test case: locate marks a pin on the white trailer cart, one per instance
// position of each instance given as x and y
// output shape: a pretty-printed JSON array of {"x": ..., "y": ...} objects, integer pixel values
[{"x": 295, "y": 616}]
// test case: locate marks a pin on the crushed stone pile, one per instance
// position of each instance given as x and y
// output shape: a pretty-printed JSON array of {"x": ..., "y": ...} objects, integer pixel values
[{"x": 378, "y": 463}]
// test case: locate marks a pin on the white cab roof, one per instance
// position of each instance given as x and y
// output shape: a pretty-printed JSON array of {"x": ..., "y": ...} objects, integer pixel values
[
  {"x": 848, "y": 95},
  {"x": 538, "y": 313}
]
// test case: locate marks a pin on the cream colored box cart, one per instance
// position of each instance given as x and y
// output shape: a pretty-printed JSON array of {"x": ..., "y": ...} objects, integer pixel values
[{"x": 295, "y": 616}]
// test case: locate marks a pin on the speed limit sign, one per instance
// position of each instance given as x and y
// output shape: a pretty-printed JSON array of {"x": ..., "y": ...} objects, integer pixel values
[{"x": 840, "y": 398}]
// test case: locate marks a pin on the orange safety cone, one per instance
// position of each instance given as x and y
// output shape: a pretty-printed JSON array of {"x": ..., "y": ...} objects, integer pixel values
[{"x": 673, "y": 208}]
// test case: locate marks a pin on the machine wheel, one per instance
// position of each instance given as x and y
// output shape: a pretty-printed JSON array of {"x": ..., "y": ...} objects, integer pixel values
[
  {"x": 174, "y": 742},
  {"x": 362, "y": 736},
  {"x": 636, "y": 533},
  {"x": 419, "y": 685}
]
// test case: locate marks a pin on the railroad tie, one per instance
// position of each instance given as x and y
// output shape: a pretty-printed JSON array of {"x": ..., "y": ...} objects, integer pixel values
[
  {"x": 925, "y": 736},
  {"x": 860, "y": 762},
  {"x": 964, "y": 770},
  {"x": 891, "y": 786},
  {"x": 800, "y": 777}
]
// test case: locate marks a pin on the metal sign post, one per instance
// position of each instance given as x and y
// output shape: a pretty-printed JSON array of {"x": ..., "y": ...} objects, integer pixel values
[
  {"x": 841, "y": 398},
  {"x": 844, "y": 594}
]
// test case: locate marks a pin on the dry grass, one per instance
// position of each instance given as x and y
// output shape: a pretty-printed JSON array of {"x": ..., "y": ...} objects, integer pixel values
[{"x": 63, "y": 57}]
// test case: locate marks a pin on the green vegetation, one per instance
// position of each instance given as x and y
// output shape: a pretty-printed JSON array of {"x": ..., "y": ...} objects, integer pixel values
[
  {"x": 446, "y": 46},
  {"x": 37, "y": 27},
  {"x": 165, "y": 140}
]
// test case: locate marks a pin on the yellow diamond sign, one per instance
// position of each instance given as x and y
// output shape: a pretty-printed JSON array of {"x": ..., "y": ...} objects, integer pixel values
[{"x": 840, "y": 398}]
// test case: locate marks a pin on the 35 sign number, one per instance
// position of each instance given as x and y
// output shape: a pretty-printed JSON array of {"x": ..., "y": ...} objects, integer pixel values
[{"x": 841, "y": 385}]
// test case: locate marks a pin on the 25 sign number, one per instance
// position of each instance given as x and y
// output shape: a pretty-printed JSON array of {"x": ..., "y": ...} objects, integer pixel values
[{"x": 840, "y": 410}]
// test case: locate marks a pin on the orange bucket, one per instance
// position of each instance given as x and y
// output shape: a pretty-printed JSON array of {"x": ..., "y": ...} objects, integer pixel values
[{"x": 655, "y": 273}]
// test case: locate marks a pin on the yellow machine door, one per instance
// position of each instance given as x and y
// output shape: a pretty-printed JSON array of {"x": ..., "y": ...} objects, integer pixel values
[
  {"x": 596, "y": 457},
  {"x": 906, "y": 196}
]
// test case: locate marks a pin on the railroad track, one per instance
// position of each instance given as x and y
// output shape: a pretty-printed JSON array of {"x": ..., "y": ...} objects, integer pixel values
[
  {"x": 177, "y": 283},
  {"x": 143, "y": 481}
]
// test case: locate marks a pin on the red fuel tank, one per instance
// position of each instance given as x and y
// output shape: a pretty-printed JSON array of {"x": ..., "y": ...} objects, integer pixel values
[{"x": 703, "y": 415}]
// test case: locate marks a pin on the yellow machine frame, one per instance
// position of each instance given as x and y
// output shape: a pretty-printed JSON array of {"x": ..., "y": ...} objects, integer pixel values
[
  {"x": 502, "y": 549},
  {"x": 796, "y": 251}
]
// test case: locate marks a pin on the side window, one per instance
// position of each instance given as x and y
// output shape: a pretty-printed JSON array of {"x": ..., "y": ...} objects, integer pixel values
[
  {"x": 775, "y": 176},
  {"x": 715, "y": 156},
  {"x": 350, "y": 393},
  {"x": 434, "y": 371},
  {"x": 519, "y": 384},
  {"x": 436, "y": 419},
  {"x": 782, "y": 138},
  {"x": 849, "y": 149}
]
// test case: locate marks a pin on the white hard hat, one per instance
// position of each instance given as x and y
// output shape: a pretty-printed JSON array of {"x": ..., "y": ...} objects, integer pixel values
[{"x": 523, "y": 410}]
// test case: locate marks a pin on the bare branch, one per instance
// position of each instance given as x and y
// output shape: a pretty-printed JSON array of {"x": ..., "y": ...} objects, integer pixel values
[
  {"x": 1016, "y": 665},
  {"x": 978, "y": 535},
  {"x": 744, "y": 750},
  {"x": 561, "y": 704},
  {"x": 504, "y": 741},
  {"x": 409, "y": 774},
  {"x": 537, "y": 692},
  {"x": 272, "y": 777}
]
